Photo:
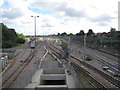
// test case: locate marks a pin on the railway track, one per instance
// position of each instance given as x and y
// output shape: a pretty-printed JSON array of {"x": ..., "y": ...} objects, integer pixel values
[
  {"x": 86, "y": 73},
  {"x": 13, "y": 63},
  {"x": 105, "y": 60},
  {"x": 100, "y": 50},
  {"x": 16, "y": 72},
  {"x": 112, "y": 80},
  {"x": 80, "y": 69},
  {"x": 115, "y": 69},
  {"x": 102, "y": 58}
]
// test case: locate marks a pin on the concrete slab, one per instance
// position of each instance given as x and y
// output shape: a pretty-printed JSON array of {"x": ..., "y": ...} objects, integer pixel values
[
  {"x": 50, "y": 64},
  {"x": 53, "y": 87},
  {"x": 53, "y": 77},
  {"x": 53, "y": 71}
]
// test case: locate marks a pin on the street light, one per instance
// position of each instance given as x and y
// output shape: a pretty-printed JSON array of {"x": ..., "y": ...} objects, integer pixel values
[{"x": 35, "y": 26}]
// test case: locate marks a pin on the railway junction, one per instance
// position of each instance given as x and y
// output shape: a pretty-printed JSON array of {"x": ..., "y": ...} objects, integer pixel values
[{"x": 45, "y": 67}]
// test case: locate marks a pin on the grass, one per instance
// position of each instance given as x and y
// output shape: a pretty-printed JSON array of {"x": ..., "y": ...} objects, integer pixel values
[{"x": 85, "y": 81}]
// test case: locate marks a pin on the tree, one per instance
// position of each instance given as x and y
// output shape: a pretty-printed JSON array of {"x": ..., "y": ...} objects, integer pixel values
[
  {"x": 112, "y": 29},
  {"x": 64, "y": 34},
  {"x": 58, "y": 34},
  {"x": 20, "y": 40},
  {"x": 81, "y": 33},
  {"x": 90, "y": 32},
  {"x": 112, "y": 32},
  {"x": 9, "y": 37},
  {"x": 21, "y": 35},
  {"x": 70, "y": 34}
]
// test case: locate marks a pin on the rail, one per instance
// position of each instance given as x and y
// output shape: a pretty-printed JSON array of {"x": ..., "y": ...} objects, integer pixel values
[
  {"x": 106, "y": 76},
  {"x": 14, "y": 74}
]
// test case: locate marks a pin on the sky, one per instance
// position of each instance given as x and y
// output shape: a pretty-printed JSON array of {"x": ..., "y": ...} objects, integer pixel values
[{"x": 58, "y": 16}]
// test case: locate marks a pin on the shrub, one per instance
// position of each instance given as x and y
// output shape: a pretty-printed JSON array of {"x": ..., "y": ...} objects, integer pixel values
[
  {"x": 7, "y": 44},
  {"x": 89, "y": 58},
  {"x": 20, "y": 40}
]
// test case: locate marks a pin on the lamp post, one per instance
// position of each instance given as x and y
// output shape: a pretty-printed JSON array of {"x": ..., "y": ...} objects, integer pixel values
[{"x": 35, "y": 25}]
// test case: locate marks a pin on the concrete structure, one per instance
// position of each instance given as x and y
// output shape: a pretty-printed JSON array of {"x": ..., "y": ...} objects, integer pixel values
[
  {"x": 53, "y": 87},
  {"x": 50, "y": 64},
  {"x": 52, "y": 75},
  {"x": 53, "y": 71}
]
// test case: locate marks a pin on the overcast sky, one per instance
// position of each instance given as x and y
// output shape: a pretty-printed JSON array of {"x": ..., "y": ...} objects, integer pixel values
[{"x": 55, "y": 16}]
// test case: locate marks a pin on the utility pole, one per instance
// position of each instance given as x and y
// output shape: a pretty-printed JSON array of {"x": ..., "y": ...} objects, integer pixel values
[
  {"x": 69, "y": 50},
  {"x": 43, "y": 32},
  {"x": 35, "y": 25},
  {"x": 84, "y": 45}
]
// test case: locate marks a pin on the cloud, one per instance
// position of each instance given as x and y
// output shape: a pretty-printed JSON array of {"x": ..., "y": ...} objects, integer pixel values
[
  {"x": 60, "y": 15},
  {"x": 1, "y": 2},
  {"x": 12, "y": 10},
  {"x": 11, "y": 13},
  {"x": 48, "y": 25},
  {"x": 44, "y": 4},
  {"x": 59, "y": 7},
  {"x": 102, "y": 24},
  {"x": 101, "y": 18},
  {"x": 69, "y": 11}
]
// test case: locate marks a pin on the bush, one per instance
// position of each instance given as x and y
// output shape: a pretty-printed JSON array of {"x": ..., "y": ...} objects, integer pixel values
[
  {"x": 64, "y": 45},
  {"x": 20, "y": 40},
  {"x": 89, "y": 58},
  {"x": 8, "y": 44}
]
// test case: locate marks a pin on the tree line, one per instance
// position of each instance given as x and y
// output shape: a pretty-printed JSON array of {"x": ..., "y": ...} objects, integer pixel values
[
  {"x": 81, "y": 33},
  {"x": 112, "y": 33},
  {"x": 109, "y": 40},
  {"x": 10, "y": 38}
]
